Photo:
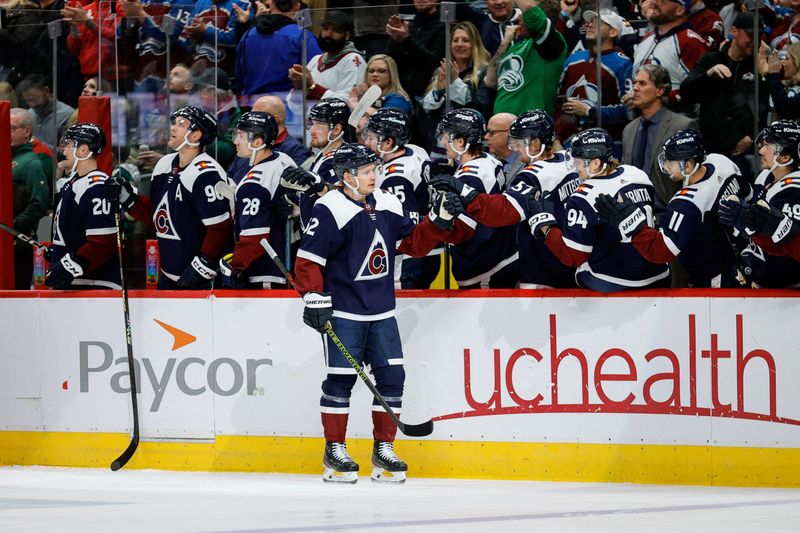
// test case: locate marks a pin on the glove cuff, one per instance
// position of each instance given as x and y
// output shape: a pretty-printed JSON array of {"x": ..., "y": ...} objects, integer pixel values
[
  {"x": 202, "y": 266},
  {"x": 786, "y": 227},
  {"x": 73, "y": 265},
  {"x": 317, "y": 300}
]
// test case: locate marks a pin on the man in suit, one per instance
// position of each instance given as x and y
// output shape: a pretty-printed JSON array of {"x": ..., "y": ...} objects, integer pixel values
[
  {"x": 497, "y": 140},
  {"x": 644, "y": 136}
]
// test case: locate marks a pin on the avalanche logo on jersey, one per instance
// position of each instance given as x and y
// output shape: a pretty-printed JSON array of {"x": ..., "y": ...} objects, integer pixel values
[
  {"x": 583, "y": 90},
  {"x": 162, "y": 220},
  {"x": 375, "y": 264},
  {"x": 57, "y": 237}
]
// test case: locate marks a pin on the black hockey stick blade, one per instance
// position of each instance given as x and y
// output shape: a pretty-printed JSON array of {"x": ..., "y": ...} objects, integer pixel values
[
  {"x": 123, "y": 459},
  {"x": 416, "y": 430}
]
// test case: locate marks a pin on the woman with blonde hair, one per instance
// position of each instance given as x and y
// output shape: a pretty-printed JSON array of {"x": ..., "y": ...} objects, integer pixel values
[
  {"x": 783, "y": 74},
  {"x": 467, "y": 89},
  {"x": 382, "y": 71}
]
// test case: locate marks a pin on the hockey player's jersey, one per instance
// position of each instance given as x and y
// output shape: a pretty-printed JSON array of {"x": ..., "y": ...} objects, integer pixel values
[
  {"x": 773, "y": 270},
  {"x": 690, "y": 225},
  {"x": 184, "y": 202},
  {"x": 322, "y": 167},
  {"x": 255, "y": 218},
  {"x": 84, "y": 210},
  {"x": 611, "y": 260},
  {"x": 489, "y": 249},
  {"x": 356, "y": 244},
  {"x": 556, "y": 182}
]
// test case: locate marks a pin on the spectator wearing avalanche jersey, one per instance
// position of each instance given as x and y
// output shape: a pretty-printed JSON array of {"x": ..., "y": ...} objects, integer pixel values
[
  {"x": 707, "y": 23},
  {"x": 674, "y": 44}
]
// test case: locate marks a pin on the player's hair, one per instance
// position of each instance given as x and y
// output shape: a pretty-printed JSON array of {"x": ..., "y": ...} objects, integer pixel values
[
  {"x": 660, "y": 78},
  {"x": 394, "y": 84}
]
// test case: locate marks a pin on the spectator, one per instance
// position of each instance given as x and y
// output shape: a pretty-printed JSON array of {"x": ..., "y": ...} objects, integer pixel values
[
  {"x": 35, "y": 90},
  {"x": 497, "y": 140},
  {"x": 723, "y": 84},
  {"x": 382, "y": 71},
  {"x": 467, "y": 88},
  {"x": 786, "y": 29},
  {"x": 182, "y": 86},
  {"x": 369, "y": 20},
  {"x": 493, "y": 22},
  {"x": 579, "y": 81},
  {"x": 19, "y": 33},
  {"x": 707, "y": 23},
  {"x": 783, "y": 75},
  {"x": 644, "y": 136},
  {"x": 68, "y": 74},
  {"x": 334, "y": 72},
  {"x": 95, "y": 53},
  {"x": 417, "y": 47},
  {"x": 216, "y": 97},
  {"x": 30, "y": 193},
  {"x": 674, "y": 44},
  {"x": 526, "y": 74},
  {"x": 269, "y": 49},
  {"x": 210, "y": 36},
  {"x": 284, "y": 142}
]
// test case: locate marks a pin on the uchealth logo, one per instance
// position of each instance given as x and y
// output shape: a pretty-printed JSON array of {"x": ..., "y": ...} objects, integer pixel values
[{"x": 190, "y": 375}]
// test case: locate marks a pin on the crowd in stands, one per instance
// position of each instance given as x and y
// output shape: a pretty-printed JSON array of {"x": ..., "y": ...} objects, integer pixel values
[{"x": 642, "y": 71}]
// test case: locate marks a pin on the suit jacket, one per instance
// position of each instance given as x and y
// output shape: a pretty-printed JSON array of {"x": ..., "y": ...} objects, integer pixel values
[{"x": 670, "y": 123}]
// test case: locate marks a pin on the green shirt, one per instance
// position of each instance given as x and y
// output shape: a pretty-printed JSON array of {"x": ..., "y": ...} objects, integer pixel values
[
  {"x": 31, "y": 194},
  {"x": 525, "y": 81}
]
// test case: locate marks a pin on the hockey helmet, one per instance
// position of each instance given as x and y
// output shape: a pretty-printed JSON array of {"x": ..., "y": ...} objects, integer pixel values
[
  {"x": 784, "y": 133},
  {"x": 465, "y": 123},
  {"x": 86, "y": 133},
  {"x": 594, "y": 143},
  {"x": 682, "y": 146},
  {"x": 534, "y": 124},
  {"x": 389, "y": 123},
  {"x": 350, "y": 157},
  {"x": 331, "y": 111},
  {"x": 199, "y": 120},
  {"x": 259, "y": 124}
]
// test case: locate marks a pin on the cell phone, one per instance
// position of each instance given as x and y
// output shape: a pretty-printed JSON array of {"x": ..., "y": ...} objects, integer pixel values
[{"x": 561, "y": 99}]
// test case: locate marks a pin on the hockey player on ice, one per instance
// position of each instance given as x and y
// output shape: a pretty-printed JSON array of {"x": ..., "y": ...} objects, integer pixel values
[
  {"x": 345, "y": 270},
  {"x": 605, "y": 262},
  {"x": 255, "y": 201},
  {"x": 84, "y": 253},
  {"x": 689, "y": 228},
  {"x": 187, "y": 205}
]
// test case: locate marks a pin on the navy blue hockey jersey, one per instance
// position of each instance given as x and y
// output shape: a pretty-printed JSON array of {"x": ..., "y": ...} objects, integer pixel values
[{"x": 322, "y": 167}]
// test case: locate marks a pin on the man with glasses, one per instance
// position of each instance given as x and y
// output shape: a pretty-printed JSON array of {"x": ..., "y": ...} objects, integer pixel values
[
  {"x": 187, "y": 204},
  {"x": 30, "y": 193},
  {"x": 497, "y": 140}
]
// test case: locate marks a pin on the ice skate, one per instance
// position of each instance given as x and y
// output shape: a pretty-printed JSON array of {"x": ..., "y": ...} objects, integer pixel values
[
  {"x": 386, "y": 466},
  {"x": 339, "y": 466}
]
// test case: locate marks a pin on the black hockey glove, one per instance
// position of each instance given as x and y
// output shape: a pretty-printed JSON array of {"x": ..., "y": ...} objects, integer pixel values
[
  {"x": 120, "y": 191},
  {"x": 763, "y": 218},
  {"x": 445, "y": 208},
  {"x": 285, "y": 208},
  {"x": 318, "y": 310},
  {"x": 542, "y": 216},
  {"x": 62, "y": 273},
  {"x": 442, "y": 166},
  {"x": 297, "y": 179},
  {"x": 198, "y": 275},
  {"x": 624, "y": 215},
  {"x": 731, "y": 213},
  {"x": 444, "y": 182},
  {"x": 231, "y": 278}
]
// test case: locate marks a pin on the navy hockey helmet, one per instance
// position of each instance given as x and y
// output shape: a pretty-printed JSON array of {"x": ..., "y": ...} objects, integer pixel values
[
  {"x": 331, "y": 111},
  {"x": 594, "y": 143},
  {"x": 350, "y": 157},
  {"x": 534, "y": 124},
  {"x": 784, "y": 133},
  {"x": 465, "y": 123},
  {"x": 199, "y": 120},
  {"x": 260, "y": 124},
  {"x": 86, "y": 133},
  {"x": 389, "y": 123},
  {"x": 682, "y": 146}
]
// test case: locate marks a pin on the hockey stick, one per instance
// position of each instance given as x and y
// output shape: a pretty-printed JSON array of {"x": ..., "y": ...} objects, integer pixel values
[
  {"x": 412, "y": 430},
  {"x": 369, "y": 97},
  {"x": 123, "y": 459},
  {"x": 24, "y": 238}
]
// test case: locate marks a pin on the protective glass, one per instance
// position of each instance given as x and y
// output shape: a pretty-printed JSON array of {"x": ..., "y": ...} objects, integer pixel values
[{"x": 518, "y": 145}]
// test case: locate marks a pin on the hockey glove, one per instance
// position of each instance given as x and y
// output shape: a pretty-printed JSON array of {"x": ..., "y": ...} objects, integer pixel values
[
  {"x": 763, "y": 218},
  {"x": 231, "y": 278},
  {"x": 62, "y": 273},
  {"x": 445, "y": 208},
  {"x": 542, "y": 215},
  {"x": 285, "y": 208},
  {"x": 120, "y": 191},
  {"x": 318, "y": 310},
  {"x": 297, "y": 179},
  {"x": 198, "y": 275},
  {"x": 623, "y": 215},
  {"x": 731, "y": 213},
  {"x": 443, "y": 182}
]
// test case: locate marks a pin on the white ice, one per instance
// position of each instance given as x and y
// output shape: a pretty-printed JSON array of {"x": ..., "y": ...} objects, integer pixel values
[{"x": 64, "y": 500}]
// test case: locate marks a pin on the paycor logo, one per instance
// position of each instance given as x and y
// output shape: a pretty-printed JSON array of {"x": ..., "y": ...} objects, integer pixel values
[{"x": 223, "y": 376}]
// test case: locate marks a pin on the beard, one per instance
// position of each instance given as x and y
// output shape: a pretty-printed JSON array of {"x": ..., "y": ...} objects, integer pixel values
[
  {"x": 661, "y": 18},
  {"x": 330, "y": 45}
]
